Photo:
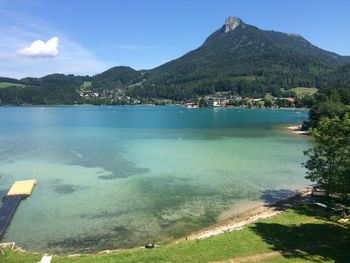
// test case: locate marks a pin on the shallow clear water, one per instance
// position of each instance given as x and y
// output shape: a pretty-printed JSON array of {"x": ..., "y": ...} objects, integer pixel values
[{"x": 111, "y": 177}]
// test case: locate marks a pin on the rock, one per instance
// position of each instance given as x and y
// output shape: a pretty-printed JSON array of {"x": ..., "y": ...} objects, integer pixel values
[
  {"x": 149, "y": 245},
  {"x": 231, "y": 23}
]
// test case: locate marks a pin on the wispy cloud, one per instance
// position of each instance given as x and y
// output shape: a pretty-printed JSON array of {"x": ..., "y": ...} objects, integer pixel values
[{"x": 21, "y": 40}]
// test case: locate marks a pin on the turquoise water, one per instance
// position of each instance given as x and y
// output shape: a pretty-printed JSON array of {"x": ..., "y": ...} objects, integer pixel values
[{"x": 114, "y": 177}]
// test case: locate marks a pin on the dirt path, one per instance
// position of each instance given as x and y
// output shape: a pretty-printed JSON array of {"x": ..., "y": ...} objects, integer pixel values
[{"x": 253, "y": 258}]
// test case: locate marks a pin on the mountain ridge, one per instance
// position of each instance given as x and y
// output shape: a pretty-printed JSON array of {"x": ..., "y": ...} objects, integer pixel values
[
  {"x": 239, "y": 50},
  {"x": 237, "y": 57}
]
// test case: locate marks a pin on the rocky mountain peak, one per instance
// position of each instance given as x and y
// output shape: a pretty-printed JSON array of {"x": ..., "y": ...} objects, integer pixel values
[
  {"x": 231, "y": 23},
  {"x": 295, "y": 35}
]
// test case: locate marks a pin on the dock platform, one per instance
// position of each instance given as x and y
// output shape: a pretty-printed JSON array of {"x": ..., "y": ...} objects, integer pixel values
[
  {"x": 18, "y": 191},
  {"x": 23, "y": 188}
]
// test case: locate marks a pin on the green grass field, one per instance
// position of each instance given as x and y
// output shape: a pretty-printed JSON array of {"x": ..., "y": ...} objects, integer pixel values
[
  {"x": 8, "y": 84},
  {"x": 302, "y": 234},
  {"x": 135, "y": 84},
  {"x": 301, "y": 91},
  {"x": 86, "y": 84}
]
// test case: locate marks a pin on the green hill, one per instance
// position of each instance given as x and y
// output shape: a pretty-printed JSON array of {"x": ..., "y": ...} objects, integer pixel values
[
  {"x": 237, "y": 57},
  {"x": 247, "y": 61}
]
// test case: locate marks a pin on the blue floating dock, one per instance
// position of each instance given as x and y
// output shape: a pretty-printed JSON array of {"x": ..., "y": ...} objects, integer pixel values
[
  {"x": 18, "y": 191},
  {"x": 7, "y": 210}
]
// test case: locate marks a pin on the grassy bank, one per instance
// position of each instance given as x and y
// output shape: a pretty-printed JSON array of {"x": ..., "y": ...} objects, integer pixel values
[{"x": 304, "y": 234}]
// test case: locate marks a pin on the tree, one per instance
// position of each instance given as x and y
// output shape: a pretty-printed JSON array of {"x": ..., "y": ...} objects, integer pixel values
[
  {"x": 328, "y": 109},
  {"x": 329, "y": 103},
  {"x": 261, "y": 104},
  {"x": 268, "y": 103},
  {"x": 329, "y": 159},
  {"x": 202, "y": 103},
  {"x": 250, "y": 104}
]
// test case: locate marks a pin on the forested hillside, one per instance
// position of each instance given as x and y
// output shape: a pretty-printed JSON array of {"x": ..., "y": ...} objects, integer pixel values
[
  {"x": 248, "y": 61},
  {"x": 238, "y": 57}
]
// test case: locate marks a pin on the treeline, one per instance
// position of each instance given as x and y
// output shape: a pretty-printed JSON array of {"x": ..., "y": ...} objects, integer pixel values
[
  {"x": 328, "y": 161},
  {"x": 9, "y": 80},
  {"x": 64, "y": 89},
  {"x": 51, "y": 89},
  {"x": 253, "y": 77},
  {"x": 329, "y": 103},
  {"x": 244, "y": 87},
  {"x": 39, "y": 95},
  {"x": 268, "y": 80}
]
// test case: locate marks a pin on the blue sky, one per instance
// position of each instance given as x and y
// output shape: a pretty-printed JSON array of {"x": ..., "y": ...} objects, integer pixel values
[{"x": 87, "y": 37}]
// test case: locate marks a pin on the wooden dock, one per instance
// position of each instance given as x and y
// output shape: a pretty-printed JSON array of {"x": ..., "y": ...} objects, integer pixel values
[{"x": 18, "y": 191}]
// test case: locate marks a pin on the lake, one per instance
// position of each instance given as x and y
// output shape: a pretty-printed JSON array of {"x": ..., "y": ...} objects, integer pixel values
[{"x": 116, "y": 177}]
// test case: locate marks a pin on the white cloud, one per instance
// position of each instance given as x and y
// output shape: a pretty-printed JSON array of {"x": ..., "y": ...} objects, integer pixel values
[
  {"x": 17, "y": 30},
  {"x": 40, "y": 48}
]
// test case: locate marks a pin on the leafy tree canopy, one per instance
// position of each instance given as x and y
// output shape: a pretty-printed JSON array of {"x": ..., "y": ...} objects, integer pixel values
[{"x": 329, "y": 159}]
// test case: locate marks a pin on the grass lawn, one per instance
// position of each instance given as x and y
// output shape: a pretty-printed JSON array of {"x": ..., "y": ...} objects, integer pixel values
[
  {"x": 8, "y": 84},
  {"x": 86, "y": 84},
  {"x": 300, "y": 91},
  {"x": 302, "y": 234}
]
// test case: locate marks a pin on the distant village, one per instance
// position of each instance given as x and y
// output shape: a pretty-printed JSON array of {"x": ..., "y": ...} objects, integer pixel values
[
  {"x": 116, "y": 96},
  {"x": 219, "y": 99},
  {"x": 225, "y": 99}
]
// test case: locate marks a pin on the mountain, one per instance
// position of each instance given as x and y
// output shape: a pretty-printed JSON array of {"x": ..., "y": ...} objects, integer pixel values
[
  {"x": 246, "y": 60},
  {"x": 237, "y": 57},
  {"x": 117, "y": 77}
]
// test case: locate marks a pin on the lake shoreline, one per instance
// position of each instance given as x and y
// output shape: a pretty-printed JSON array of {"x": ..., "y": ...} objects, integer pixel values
[
  {"x": 221, "y": 131},
  {"x": 297, "y": 130},
  {"x": 148, "y": 105},
  {"x": 233, "y": 223},
  {"x": 252, "y": 215}
]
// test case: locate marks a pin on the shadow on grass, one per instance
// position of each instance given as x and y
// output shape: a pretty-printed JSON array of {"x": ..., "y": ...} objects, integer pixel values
[
  {"x": 317, "y": 212},
  {"x": 311, "y": 241},
  {"x": 319, "y": 241},
  {"x": 283, "y": 199},
  {"x": 333, "y": 211}
]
